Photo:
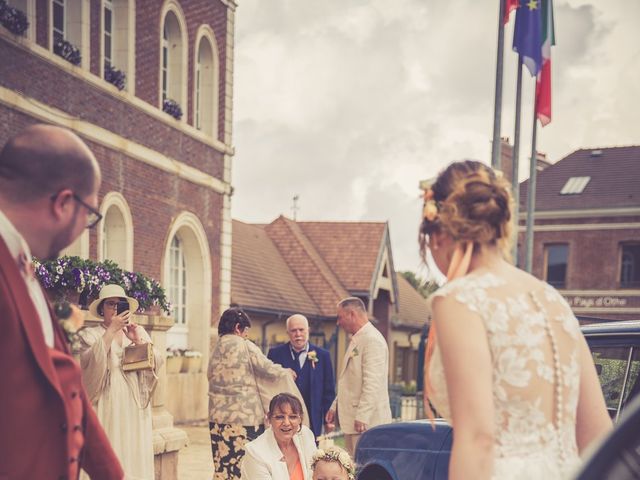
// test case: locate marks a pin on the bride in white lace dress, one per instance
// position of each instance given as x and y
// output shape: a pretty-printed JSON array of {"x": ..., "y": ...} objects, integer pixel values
[{"x": 508, "y": 365}]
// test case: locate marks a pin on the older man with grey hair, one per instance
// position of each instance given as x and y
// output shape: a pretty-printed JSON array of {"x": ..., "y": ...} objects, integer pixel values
[
  {"x": 312, "y": 364},
  {"x": 363, "y": 401}
]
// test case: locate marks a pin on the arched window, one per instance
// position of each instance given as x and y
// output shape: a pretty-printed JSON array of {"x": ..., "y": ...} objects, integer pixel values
[
  {"x": 173, "y": 56},
  {"x": 115, "y": 233},
  {"x": 178, "y": 281},
  {"x": 205, "y": 97},
  {"x": 186, "y": 276},
  {"x": 117, "y": 41},
  {"x": 114, "y": 237},
  {"x": 68, "y": 23}
]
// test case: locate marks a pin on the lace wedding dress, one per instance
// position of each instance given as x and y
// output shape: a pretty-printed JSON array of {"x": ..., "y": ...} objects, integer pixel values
[{"x": 534, "y": 342}]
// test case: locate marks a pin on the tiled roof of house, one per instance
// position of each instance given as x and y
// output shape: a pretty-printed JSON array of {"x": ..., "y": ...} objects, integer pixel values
[
  {"x": 260, "y": 276},
  {"x": 412, "y": 307},
  {"x": 351, "y": 249},
  {"x": 308, "y": 266},
  {"x": 614, "y": 180},
  {"x": 305, "y": 267}
]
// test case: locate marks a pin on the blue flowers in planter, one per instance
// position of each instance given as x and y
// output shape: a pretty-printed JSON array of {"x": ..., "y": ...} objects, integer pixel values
[
  {"x": 13, "y": 19},
  {"x": 172, "y": 108},
  {"x": 68, "y": 51},
  {"x": 114, "y": 76}
]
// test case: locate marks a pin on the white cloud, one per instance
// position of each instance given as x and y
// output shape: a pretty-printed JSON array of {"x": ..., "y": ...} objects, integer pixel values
[{"x": 350, "y": 104}]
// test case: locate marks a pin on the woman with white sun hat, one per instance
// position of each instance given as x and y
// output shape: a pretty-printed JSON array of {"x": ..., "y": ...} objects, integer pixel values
[{"x": 121, "y": 398}]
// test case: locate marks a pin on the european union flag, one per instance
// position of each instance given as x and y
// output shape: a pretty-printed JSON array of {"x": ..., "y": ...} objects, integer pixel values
[{"x": 527, "y": 36}]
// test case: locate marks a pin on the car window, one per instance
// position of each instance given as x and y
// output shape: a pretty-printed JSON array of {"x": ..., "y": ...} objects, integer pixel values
[{"x": 611, "y": 365}]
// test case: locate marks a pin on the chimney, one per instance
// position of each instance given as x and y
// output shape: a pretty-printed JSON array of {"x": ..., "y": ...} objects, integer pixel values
[
  {"x": 541, "y": 161},
  {"x": 506, "y": 159}
]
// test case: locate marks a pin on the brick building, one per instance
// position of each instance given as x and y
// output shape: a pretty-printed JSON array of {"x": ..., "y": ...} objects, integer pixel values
[
  {"x": 166, "y": 181},
  {"x": 117, "y": 72},
  {"x": 587, "y": 231}
]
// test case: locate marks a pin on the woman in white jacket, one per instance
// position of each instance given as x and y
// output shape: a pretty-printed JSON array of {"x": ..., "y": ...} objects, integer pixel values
[{"x": 285, "y": 449}]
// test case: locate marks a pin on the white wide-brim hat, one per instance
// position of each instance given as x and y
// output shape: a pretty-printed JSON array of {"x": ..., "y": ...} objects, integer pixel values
[{"x": 111, "y": 291}]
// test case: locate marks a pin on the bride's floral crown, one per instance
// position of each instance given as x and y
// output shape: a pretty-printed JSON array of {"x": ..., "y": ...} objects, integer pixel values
[
  {"x": 430, "y": 206},
  {"x": 335, "y": 454}
]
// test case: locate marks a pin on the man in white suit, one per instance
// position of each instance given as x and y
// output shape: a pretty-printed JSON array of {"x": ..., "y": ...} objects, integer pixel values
[{"x": 363, "y": 399}]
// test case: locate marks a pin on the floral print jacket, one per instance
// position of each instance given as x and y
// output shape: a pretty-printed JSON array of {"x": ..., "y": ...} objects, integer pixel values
[{"x": 238, "y": 374}]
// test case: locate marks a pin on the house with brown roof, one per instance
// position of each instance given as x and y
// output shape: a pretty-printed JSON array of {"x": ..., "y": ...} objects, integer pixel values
[
  {"x": 288, "y": 267},
  {"x": 587, "y": 230}
]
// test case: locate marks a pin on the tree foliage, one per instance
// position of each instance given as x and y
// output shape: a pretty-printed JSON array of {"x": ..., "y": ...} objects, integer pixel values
[{"x": 424, "y": 287}]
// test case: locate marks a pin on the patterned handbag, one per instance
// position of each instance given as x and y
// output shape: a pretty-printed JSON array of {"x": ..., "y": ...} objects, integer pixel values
[{"x": 138, "y": 357}]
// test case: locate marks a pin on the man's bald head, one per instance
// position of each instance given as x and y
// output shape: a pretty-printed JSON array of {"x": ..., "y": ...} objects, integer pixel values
[{"x": 44, "y": 159}]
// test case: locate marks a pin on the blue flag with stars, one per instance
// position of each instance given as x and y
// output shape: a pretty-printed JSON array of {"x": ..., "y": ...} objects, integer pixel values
[{"x": 527, "y": 35}]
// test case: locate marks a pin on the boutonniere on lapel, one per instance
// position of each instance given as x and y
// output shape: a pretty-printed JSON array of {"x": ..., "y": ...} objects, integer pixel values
[
  {"x": 312, "y": 356},
  {"x": 354, "y": 353},
  {"x": 71, "y": 320}
]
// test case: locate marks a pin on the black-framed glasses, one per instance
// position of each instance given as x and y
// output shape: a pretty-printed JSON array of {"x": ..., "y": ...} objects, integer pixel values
[{"x": 94, "y": 215}]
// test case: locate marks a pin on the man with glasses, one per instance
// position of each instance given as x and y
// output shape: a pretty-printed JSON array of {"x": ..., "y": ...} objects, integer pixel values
[{"x": 49, "y": 182}]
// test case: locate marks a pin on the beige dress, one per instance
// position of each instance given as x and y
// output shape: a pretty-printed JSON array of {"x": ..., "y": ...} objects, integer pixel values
[
  {"x": 121, "y": 400},
  {"x": 534, "y": 339}
]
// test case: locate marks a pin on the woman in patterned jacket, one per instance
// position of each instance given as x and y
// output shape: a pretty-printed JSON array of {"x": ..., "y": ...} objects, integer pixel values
[{"x": 241, "y": 380}]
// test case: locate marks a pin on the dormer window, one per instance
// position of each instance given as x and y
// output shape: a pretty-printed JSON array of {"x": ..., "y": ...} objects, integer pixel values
[{"x": 575, "y": 185}]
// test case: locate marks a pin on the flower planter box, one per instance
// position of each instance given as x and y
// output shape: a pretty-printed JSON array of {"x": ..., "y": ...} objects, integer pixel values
[
  {"x": 191, "y": 364},
  {"x": 174, "y": 364}
]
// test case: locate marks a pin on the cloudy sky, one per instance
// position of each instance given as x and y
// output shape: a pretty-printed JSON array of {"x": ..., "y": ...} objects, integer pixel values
[{"x": 350, "y": 103}]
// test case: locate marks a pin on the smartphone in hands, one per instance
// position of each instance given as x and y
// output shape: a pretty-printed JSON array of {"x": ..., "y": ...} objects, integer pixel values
[{"x": 122, "y": 307}]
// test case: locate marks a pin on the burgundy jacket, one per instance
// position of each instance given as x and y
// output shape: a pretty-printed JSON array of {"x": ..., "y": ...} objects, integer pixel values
[{"x": 48, "y": 429}]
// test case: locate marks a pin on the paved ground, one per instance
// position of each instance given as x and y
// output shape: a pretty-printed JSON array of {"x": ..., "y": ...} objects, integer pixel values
[{"x": 194, "y": 462}]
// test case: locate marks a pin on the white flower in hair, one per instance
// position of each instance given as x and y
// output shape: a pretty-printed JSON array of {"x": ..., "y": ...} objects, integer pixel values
[{"x": 335, "y": 454}]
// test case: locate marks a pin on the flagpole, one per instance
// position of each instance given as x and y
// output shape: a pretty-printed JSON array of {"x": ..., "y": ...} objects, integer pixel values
[
  {"x": 497, "y": 107},
  {"x": 515, "y": 184},
  {"x": 531, "y": 191}
]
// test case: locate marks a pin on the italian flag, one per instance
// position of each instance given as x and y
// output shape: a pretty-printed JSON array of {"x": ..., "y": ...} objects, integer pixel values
[{"x": 543, "y": 81}]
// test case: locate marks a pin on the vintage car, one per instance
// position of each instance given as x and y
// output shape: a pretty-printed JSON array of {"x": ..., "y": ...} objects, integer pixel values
[{"x": 418, "y": 451}]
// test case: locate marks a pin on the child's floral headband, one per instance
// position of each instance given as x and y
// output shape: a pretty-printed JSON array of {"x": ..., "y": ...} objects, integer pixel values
[
  {"x": 430, "y": 206},
  {"x": 335, "y": 454}
]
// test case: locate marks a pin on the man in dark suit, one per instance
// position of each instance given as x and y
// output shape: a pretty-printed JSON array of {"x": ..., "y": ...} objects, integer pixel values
[
  {"x": 312, "y": 364},
  {"x": 49, "y": 182}
]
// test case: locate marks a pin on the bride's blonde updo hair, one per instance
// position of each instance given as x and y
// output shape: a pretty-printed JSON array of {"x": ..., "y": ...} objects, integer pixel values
[{"x": 469, "y": 202}]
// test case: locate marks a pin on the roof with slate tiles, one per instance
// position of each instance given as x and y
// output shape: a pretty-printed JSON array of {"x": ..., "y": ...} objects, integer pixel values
[{"x": 614, "y": 180}]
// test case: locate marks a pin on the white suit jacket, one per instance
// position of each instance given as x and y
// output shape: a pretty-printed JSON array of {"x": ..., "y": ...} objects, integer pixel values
[
  {"x": 262, "y": 459},
  {"x": 363, "y": 393}
]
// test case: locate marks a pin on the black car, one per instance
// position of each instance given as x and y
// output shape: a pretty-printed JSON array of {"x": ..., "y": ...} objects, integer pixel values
[{"x": 416, "y": 450}]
